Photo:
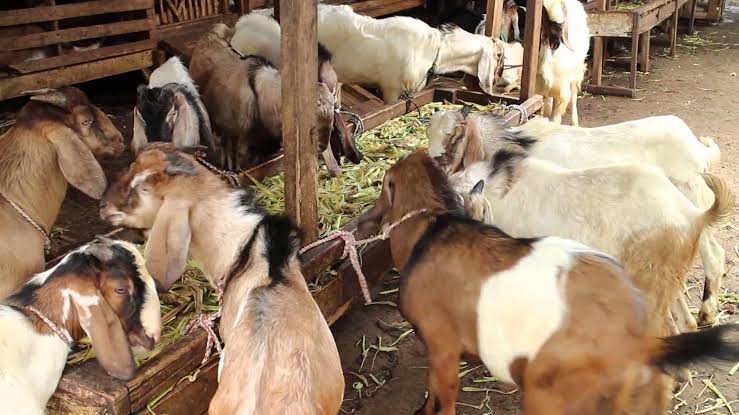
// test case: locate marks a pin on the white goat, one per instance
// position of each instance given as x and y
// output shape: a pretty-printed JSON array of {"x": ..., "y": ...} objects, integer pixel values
[
  {"x": 101, "y": 290},
  {"x": 665, "y": 142},
  {"x": 562, "y": 67},
  {"x": 397, "y": 53},
  {"x": 632, "y": 212}
]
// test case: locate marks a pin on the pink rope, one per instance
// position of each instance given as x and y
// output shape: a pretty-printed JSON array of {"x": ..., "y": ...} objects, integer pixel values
[
  {"x": 60, "y": 332},
  {"x": 351, "y": 244},
  {"x": 207, "y": 323}
]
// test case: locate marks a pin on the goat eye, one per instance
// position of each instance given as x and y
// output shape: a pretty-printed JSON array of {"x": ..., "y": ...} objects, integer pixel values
[
  {"x": 87, "y": 123},
  {"x": 120, "y": 290}
]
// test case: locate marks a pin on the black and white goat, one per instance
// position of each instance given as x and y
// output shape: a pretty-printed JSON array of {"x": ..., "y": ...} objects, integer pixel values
[{"x": 170, "y": 109}]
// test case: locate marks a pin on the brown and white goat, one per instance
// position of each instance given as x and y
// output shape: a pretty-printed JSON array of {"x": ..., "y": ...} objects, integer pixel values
[
  {"x": 279, "y": 355},
  {"x": 531, "y": 309},
  {"x": 54, "y": 141},
  {"x": 630, "y": 211},
  {"x": 101, "y": 290},
  {"x": 244, "y": 98}
]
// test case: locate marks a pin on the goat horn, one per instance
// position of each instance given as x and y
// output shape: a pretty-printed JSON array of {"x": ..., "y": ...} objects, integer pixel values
[{"x": 53, "y": 97}]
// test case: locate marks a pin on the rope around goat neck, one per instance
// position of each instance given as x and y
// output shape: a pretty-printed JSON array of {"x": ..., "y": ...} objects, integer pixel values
[
  {"x": 47, "y": 240},
  {"x": 60, "y": 332}
]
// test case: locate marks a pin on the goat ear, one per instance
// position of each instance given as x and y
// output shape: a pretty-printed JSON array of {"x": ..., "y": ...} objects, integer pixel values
[
  {"x": 77, "y": 163},
  {"x": 487, "y": 68},
  {"x": 169, "y": 244},
  {"x": 139, "y": 133},
  {"x": 53, "y": 97},
  {"x": 106, "y": 332},
  {"x": 186, "y": 123},
  {"x": 348, "y": 146},
  {"x": 473, "y": 150},
  {"x": 179, "y": 165},
  {"x": 478, "y": 187},
  {"x": 565, "y": 29}
]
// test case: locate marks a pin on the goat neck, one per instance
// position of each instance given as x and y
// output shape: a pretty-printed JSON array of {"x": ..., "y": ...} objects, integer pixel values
[
  {"x": 222, "y": 222},
  {"x": 459, "y": 51},
  {"x": 30, "y": 175}
]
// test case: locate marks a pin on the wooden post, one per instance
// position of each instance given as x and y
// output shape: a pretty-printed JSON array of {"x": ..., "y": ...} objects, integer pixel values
[
  {"x": 532, "y": 36},
  {"x": 492, "y": 19},
  {"x": 596, "y": 73},
  {"x": 634, "y": 50},
  {"x": 673, "y": 32},
  {"x": 644, "y": 40},
  {"x": 299, "y": 94}
]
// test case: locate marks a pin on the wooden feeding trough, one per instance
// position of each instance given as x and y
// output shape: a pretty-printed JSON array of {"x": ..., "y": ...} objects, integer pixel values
[
  {"x": 618, "y": 20},
  {"x": 176, "y": 378},
  {"x": 37, "y": 44}
]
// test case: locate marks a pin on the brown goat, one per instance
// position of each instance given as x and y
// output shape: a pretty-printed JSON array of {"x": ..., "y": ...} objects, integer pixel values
[
  {"x": 279, "y": 355},
  {"x": 243, "y": 96},
  {"x": 54, "y": 141},
  {"x": 531, "y": 309}
]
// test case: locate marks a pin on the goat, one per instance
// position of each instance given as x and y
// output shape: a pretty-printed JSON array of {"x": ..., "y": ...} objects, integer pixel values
[
  {"x": 279, "y": 356},
  {"x": 257, "y": 34},
  {"x": 7, "y": 59},
  {"x": 665, "y": 142},
  {"x": 561, "y": 69},
  {"x": 101, "y": 290},
  {"x": 657, "y": 243},
  {"x": 170, "y": 109},
  {"x": 54, "y": 141},
  {"x": 469, "y": 288},
  {"x": 243, "y": 97},
  {"x": 397, "y": 53}
]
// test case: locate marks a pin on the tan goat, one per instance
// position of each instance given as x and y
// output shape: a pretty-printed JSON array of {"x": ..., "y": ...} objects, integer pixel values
[
  {"x": 279, "y": 355},
  {"x": 533, "y": 310},
  {"x": 54, "y": 141}
]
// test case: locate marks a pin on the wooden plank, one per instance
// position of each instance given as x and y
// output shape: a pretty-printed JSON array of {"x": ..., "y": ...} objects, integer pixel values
[
  {"x": 610, "y": 90},
  {"x": 299, "y": 73},
  {"x": 644, "y": 40},
  {"x": 492, "y": 22},
  {"x": 532, "y": 36},
  {"x": 65, "y": 11},
  {"x": 610, "y": 23},
  {"x": 86, "y": 386},
  {"x": 531, "y": 106},
  {"x": 378, "y": 8},
  {"x": 74, "y": 34},
  {"x": 190, "y": 397},
  {"x": 673, "y": 31},
  {"x": 14, "y": 86},
  {"x": 83, "y": 56},
  {"x": 165, "y": 369}
]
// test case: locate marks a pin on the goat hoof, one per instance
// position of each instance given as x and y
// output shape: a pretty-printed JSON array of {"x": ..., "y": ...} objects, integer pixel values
[
  {"x": 706, "y": 319},
  {"x": 682, "y": 376}
]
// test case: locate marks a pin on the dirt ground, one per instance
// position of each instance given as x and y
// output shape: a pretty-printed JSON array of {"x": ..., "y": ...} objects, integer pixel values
[{"x": 384, "y": 362}]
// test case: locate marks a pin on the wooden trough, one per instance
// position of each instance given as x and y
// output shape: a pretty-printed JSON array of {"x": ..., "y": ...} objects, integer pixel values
[
  {"x": 607, "y": 22},
  {"x": 87, "y": 389},
  {"x": 44, "y": 30}
]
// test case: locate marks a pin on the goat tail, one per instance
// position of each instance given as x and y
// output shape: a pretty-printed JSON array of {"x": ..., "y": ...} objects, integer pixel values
[
  {"x": 723, "y": 201},
  {"x": 713, "y": 153},
  {"x": 717, "y": 344}
]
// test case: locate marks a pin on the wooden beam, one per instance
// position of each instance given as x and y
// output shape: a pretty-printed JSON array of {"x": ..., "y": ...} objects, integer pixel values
[
  {"x": 610, "y": 90},
  {"x": 83, "y": 56},
  {"x": 493, "y": 17},
  {"x": 74, "y": 34},
  {"x": 532, "y": 36},
  {"x": 14, "y": 86},
  {"x": 644, "y": 40},
  {"x": 634, "y": 52},
  {"x": 299, "y": 74},
  {"x": 90, "y": 8}
]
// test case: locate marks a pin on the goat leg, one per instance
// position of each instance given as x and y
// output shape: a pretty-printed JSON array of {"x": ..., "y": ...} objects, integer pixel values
[
  {"x": 713, "y": 258},
  {"x": 443, "y": 382}
]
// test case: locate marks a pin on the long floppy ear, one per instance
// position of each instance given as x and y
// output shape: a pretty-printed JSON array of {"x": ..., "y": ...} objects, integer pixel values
[
  {"x": 456, "y": 148},
  {"x": 77, "y": 162},
  {"x": 106, "y": 332},
  {"x": 565, "y": 29},
  {"x": 487, "y": 68},
  {"x": 186, "y": 123},
  {"x": 169, "y": 244},
  {"x": 139, "y": 133},
  {"x": 348, "y": 146},
  {"x": 473, "y": 151}
]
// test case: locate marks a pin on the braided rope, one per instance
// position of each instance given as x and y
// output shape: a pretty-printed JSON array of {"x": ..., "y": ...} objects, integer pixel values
[
  {"x": 207, "y": 322},
  {"x": 356, "y": 120},
  {"x": 60, "y": 332},
  {"x": 229, "y": 177},
  {"x": 47, "y": 240},
  {"x": 521, "y": 110},
  {"x": 351, "y": 244}
]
